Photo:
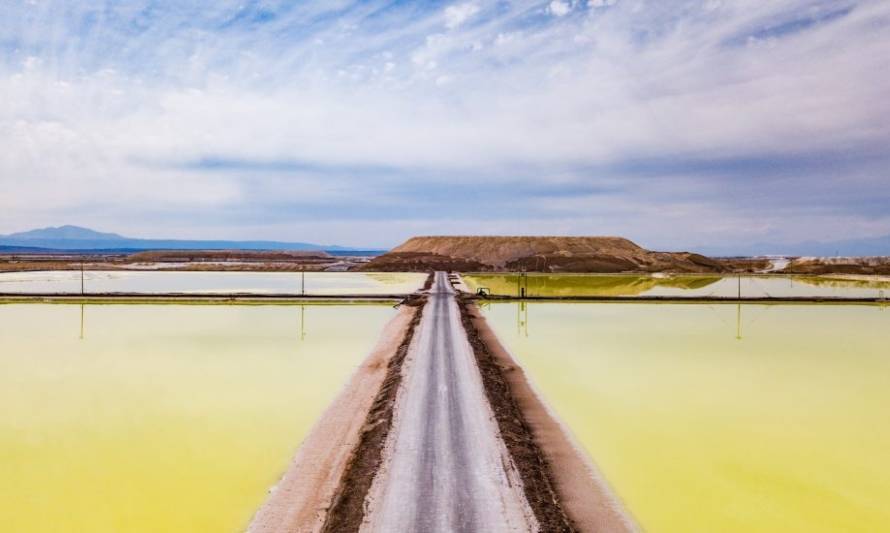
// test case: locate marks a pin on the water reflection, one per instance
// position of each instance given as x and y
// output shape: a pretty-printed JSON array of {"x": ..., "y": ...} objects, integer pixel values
[
  {"x": 522, "y": 318},
  {"x": 864, "y": 282},
  {"x": 83, "y": 307},
  {"x": 310, "y": 283},
  {"x": 679, "y": 286},
  {"x": 738, "y": 322},
  {"x": 302, "y": 322},
  {"x": 522, "y": 315},
  {"x": 581, "y": 285}
]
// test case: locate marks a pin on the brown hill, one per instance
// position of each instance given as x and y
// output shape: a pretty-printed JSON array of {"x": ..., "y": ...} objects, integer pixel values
[
  {"x": 839, "y": 265},
  {"x": 537, "y": 254}
]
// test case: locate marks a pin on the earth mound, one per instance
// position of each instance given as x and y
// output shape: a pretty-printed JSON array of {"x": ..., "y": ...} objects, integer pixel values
[
  {"x": 839, "y": 265},
  {"x": 536, "y": 254}
]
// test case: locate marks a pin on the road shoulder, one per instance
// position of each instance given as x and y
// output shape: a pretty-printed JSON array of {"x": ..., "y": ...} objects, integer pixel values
[
  {"x": 300, "y": 500},
  {"x": 562, "y": 479}
]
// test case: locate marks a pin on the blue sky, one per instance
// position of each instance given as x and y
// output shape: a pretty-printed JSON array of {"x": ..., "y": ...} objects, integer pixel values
[{"x": 679, "y": 124}]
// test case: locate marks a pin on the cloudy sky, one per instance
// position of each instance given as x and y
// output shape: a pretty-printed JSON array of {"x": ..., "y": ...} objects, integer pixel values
[{"x": 677, "y": 123}]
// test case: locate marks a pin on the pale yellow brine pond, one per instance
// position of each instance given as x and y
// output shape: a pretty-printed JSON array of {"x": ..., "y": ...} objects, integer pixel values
[
  {"x": 722, "y": 418},
  {"x": 162, "y": 417}
]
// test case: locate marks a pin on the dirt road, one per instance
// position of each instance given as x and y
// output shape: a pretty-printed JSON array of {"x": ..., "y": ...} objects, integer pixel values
[{"x": 445, "y": 467}]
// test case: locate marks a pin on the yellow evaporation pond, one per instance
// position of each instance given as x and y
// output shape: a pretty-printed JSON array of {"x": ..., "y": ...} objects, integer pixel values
[
  {"x": 721, "y": 418},
  {"x": 163, "y": 417}
]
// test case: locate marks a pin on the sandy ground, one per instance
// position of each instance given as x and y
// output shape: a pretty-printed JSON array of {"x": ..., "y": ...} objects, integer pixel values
[
  {"x": 582, "y": 491},
  {"x": 300, "y": 500},
  {"x": 445, "y": 468}
]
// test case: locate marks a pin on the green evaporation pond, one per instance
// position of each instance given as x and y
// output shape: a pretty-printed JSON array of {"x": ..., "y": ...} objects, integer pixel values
[
  {"x": 680, "y": 286},
  {"x": 721, "y": 418},
  {"x": 581, "y": 284},
  {"x": 162, "y": 417}
]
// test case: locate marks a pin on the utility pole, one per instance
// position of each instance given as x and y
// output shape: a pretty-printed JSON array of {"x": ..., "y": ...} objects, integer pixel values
[
  {"x": 81, "y": 276},
  {"x": 523, "y": 283},
  {"x": 302, "y": 281},
  {"x": 740, "y": 286},
  {"x": 518, "y": 284}
]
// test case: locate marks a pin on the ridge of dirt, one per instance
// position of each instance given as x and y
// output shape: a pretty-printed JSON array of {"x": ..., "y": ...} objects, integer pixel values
[
  {"x": 420, "y": 262},
  {"x": 839, "y": 265},
  {"x": 533, "y": 468},
  {"x": 298, "y": 502},
  {"x": 347, "y": 510},
  {"x": 537, "y": 254},
  {"x": 500, "y": 250},
  {"x": 428, "y": 283},
  {"x": 582, "y": 490}
]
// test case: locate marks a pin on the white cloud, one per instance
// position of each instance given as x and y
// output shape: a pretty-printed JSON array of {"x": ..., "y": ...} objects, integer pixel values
[
  {"x": 458, "y": 14},
  {"x": 504, "y": 39},
  {"x": 558, "y": 8},
  {"x": 601, "y": 3},
  {"x": 102, "y": 119}
]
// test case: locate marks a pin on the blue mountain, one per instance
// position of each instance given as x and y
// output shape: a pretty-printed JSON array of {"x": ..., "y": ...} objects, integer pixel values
[{"x": 79, "y": 238}]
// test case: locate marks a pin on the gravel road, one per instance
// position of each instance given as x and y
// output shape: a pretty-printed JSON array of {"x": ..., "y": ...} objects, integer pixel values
[{"x": 446, "y": 468}]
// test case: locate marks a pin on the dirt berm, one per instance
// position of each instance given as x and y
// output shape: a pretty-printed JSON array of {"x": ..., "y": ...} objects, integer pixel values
[
  {"x": 566, "y": 491},
  {"x": 536, "y": 254},
  {"x": 839, "y": 265}
]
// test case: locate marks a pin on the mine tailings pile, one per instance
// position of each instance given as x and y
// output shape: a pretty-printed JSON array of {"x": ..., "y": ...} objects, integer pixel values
[{"x": 537, "y": 254}]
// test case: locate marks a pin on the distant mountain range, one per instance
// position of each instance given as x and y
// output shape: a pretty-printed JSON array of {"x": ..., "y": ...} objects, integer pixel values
[
  {"x": 875, "y": 246},
  {"x": 84, "y": 239}
]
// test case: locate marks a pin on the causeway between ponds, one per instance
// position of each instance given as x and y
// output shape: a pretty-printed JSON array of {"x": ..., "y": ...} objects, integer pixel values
[{"x": 445, "y": 466}]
